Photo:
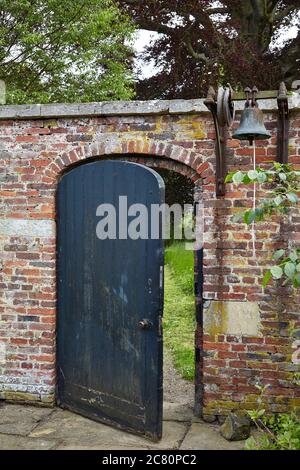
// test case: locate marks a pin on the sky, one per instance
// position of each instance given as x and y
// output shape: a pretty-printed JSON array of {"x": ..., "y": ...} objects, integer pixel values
[{"x": 142, "y": 39}]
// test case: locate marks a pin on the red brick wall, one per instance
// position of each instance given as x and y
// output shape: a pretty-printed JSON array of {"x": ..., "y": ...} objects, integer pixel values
[{"x": 34, "y": 153}]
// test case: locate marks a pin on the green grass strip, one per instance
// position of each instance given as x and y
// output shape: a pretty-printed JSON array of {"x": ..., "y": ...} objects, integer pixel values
[
  {"x": 179, "y": 323},
  {"x": 181, "y": 262}
]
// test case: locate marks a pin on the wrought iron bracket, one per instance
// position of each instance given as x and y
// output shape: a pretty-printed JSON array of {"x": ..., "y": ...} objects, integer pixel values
[
  {"x": 283, "y": 125},
  {"x": 222, "y": 108}
]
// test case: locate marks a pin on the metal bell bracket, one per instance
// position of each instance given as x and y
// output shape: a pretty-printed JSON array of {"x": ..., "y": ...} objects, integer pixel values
[
  {"x": 283, "y": 125},
  {"x": 251, "y": 103},
  {"x": 283, "y": 119},
  {"x": 222, "y": 108}
]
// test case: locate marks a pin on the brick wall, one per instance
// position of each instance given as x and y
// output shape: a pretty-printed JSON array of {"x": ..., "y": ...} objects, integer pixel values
[{"x": 244, "y": 333}]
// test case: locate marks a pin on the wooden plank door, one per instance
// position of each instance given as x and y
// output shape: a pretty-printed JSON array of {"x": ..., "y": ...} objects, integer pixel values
[{"x": 110, "y": 299}]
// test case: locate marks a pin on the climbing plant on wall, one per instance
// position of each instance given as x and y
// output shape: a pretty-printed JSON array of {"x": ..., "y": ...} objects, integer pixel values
[{"x": 282, "y": 183}]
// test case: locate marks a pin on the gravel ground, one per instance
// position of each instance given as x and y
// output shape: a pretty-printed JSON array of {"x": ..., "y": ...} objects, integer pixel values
[{"x": 176, "y": 389}]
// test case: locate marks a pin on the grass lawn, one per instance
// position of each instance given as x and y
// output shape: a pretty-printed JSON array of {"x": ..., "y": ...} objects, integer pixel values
[{"x": 179, "y": 308}]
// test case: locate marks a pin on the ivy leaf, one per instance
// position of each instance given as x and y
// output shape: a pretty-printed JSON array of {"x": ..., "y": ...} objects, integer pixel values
[
  {"x": 252, "y": 174},
  {"x": 228, "y": 178},
  {"x": 292, "y": 197},
  {"x": 246, "y": 179},
  {"x": 259, "y": 214},
  {"x": 238, "y": 177},
  {"x": 293, "y": 256},
  {"x": 266, "y": 278},
  {"x": 282, "y": 176},
  {"x": 276, "y": 272},
  {"x": 238, "y": 217},
  {"x": 278, "y": 254},
  {"x": 278, "y": 200},
  {"x": 261, "y": 177},
  {"x": 296, "y": 281},
  {"x": 289, "y": 270},
  {"x": 249, "y": 217}
]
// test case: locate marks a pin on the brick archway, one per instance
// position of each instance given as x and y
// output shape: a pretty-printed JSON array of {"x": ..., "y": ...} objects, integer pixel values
[
  {"x": 160, "y": 163},
  {"x": 164, "y": 151},
  {"x": 160, "y": 155}
]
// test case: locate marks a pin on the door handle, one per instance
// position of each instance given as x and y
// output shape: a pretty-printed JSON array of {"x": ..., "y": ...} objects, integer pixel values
[{"x": 144, "y": 324}]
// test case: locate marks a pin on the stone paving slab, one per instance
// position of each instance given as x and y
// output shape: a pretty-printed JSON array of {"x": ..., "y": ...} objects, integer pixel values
[
  {"x": 204, "y": 436},
  {"x": 21, "y": 419},
  {"x": 11, "y": 442},
  {"x": 177, "y": 412},
  {"x": 31, "y": 427},
  {"x": 75, "y": 431}
]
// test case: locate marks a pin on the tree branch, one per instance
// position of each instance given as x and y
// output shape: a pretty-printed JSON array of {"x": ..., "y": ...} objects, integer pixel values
[
  {"x": 288, "y": 61},
  {"x": 272, "y": 4},
  {"x": 283, "y": 13},
  {"x": 197, "y": 55},
  {"x": 216, "y": 11},
  {"x": 153, "y": 26}
]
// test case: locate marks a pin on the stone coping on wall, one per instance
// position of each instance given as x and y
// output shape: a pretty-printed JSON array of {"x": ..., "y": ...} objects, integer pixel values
[{"x": 126, "y": 108}]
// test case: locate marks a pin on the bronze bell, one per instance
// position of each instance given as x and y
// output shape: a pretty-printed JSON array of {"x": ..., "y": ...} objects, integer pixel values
[{"x": 252, "y": 121}]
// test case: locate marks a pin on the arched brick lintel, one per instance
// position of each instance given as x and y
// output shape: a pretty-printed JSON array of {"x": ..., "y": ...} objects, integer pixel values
[
  {"x": 158, "y": 162},
  {"x": 176, "y": 153}
]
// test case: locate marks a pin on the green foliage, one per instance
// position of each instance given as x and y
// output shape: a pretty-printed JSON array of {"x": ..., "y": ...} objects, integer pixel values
[
  {"x": 64, "y": 51},
  {"x": 179, "y": 188},
  {"x": 184, "y": 361},
  {"x": 296, "y": 379},
  {"x": 287, "y": 430},
  {"x": 179, "y": 309},
  {"x": 277, "y": 432},
  {"x": 288, "y": 268},
  {"x": 181, "y": 262},
  {"x": 280, "y": 432},
  {"x": 283, "y": 183}
]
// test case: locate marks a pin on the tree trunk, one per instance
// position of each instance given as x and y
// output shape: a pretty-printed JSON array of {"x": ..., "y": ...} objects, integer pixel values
[{"x": 256, "y": 18}]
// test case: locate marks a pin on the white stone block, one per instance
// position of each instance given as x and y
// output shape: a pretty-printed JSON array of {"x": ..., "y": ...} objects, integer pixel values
[{"x": 27, "y": 228}]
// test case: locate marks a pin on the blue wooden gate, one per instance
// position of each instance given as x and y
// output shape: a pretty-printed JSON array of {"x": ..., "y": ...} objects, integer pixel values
[{"x": 110, "y": 299}]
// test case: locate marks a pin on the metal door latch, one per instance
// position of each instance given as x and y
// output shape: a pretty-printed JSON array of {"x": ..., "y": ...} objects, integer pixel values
[{"x": 144, "y": 324}]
